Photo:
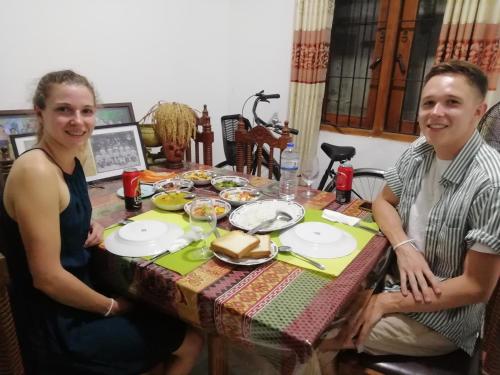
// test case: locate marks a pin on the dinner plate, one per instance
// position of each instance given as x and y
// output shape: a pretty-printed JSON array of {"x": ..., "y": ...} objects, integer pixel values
[
  {"x": 142, "y": 238},
  {"x": 146, "y": 191},
  {"x": 248, "y": 261},
  {"x": 252, "y": 214},
  {"x": 218, "y": 203},
  {"x": 319, "y": 240}
]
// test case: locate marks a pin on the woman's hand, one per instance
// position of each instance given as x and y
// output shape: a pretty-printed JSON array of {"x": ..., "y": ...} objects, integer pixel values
[
  {"x": 121, "y": 306},
  {"x": 414, "y": 270},
  {"x": 95, "y": 235}
]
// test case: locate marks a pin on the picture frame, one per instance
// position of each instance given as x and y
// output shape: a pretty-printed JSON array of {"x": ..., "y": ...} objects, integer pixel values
[
  {"x": 114, "y": 148},
  {"x": 114, "y": 113},
  {"x": 110, "y": 150},
  {"x": 13, "y": 122}
]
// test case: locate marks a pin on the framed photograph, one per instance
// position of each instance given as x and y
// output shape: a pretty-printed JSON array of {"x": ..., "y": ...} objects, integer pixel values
[
  {"x": 114, "y": 148},
  {"x": 22, "y": 142},
  {"x": 114, "y": 113},
  {"x": 21, "y": 121},
  {"x": 111, "y": 149}
]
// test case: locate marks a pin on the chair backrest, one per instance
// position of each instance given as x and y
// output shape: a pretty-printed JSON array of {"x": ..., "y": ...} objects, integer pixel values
[
  {"x": 203, "y": 140},
  {"x": 489, "y": 126},
  {"x": 490, "y": 342},
  {"x": 10, "y": 354},
  {"x": 258, "y": 136},
  {"x": 229, "y": 125}
]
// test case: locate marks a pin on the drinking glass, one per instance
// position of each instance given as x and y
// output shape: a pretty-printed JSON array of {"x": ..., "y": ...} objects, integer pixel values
[
  {"x": 309, "y": 172},
  {"x": 203, "y": 220}
]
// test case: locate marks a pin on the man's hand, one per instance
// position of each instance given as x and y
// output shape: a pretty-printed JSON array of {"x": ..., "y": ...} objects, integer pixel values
[
  {"x": 366, "y": 319},
  {"x": 95, "y": 235},
  {"x": 414, "y": 270}
]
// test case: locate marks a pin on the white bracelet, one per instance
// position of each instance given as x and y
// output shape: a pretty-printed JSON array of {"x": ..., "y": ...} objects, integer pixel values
[
  {"x": 110, "y": 307},
  {"x": 411, "y": 241}
]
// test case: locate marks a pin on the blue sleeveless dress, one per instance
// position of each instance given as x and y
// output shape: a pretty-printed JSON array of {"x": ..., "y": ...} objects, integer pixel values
[{"x": 59, "y": 339}]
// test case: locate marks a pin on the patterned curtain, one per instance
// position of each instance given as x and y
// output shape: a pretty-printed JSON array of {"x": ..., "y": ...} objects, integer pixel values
[
  {"x": 471, "y": 32},
  {"x": 311, "y": 48}
]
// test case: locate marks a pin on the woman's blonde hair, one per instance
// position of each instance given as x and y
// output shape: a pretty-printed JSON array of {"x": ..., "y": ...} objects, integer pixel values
[{"x": 45, "y": 84}]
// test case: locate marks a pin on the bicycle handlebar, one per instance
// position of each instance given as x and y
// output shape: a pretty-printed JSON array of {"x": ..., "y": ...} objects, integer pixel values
[{"x": 261, "y": 97}]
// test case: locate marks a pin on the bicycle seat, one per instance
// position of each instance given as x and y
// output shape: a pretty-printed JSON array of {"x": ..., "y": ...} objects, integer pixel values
[{"x": 338, "y": 153}]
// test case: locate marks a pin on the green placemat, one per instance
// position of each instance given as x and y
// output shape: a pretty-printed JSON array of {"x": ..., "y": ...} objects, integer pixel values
[
  {"x": 333, "y": 266},
  {"x": 181, "y": 261}
]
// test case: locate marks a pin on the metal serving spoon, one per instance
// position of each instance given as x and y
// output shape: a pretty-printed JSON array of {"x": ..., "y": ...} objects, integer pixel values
[
  {"x": 288, "y": 250},
  {"x": 279, "y": 215}
]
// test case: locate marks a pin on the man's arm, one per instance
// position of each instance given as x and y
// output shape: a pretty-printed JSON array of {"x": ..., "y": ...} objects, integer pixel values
[
  {"x": 475, "y": 285},
  {"x": 413, "y": 268}
]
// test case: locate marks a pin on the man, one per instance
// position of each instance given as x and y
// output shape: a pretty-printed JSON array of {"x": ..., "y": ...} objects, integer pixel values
[{"x": 440, "y": 210}]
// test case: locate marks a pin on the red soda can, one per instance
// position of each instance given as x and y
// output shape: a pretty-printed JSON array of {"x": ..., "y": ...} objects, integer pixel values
[
  {"x": 132, "y": 189},
  {"x": 343, "y": 183}
]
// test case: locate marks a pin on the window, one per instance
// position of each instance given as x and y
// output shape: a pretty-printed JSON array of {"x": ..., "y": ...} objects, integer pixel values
[{"x": 380, "y": 52}]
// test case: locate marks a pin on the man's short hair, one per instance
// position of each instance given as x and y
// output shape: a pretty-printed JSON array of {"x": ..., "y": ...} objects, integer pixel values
[{"x": 474, "y": 75}]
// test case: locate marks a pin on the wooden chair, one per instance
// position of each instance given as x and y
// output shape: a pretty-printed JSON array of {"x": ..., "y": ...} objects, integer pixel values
[
  {"x": 251, "y": 162},
  {"x": 202, "y": 141},
  {"x": 10, "y": 355}
]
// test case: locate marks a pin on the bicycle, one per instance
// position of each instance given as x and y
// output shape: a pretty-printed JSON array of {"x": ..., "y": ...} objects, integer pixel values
[
  {"x": 230, "y": 123},
  {"x": 367, "y": 182}
]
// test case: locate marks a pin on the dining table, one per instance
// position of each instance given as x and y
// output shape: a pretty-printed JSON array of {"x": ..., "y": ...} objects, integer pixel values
[{"x": 281, "y": 311}]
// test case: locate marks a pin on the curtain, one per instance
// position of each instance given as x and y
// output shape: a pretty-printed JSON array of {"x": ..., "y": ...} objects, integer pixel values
[
  {"x": 471, "y": 32},
  {"x": 311, "y": 48}
]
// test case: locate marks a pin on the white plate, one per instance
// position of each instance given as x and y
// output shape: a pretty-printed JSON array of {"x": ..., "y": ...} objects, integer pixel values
[
  {"x": 250, "y": 215},
  {"x": 235, "y": 181},
  {"x": 218, "y": 202},
  {"x": 233, "y": 195},
  {"x": 142, "y": 238},
  {"x": 146, "y": 191},
  {"x": 319, "y": 240},
  {"x": 248, "y": 261}
]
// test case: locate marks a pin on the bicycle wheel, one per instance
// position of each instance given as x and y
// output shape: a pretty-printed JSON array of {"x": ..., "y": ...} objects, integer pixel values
[{"x": 367, "y": 183}]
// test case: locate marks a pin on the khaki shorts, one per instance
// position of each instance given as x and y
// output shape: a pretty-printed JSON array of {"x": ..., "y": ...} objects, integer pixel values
[{"x": 399, "y": 334}]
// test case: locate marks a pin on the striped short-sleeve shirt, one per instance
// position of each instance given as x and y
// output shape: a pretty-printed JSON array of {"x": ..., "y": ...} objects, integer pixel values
[{"x": 468, "y": 212}]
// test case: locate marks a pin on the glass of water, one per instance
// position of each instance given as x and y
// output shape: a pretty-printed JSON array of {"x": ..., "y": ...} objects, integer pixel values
[
  {"x": 203, "y": 220},
  {"x": 309, "y": 171}
]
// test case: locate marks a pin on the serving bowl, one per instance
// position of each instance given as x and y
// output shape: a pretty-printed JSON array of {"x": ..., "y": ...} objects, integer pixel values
[
  {"x": 171, "y": 184},
  {"x": 240, "y": 195},
  {"x": 222, "y": 208},
  {"x": 199, "y": 176},
  {"x": 172, "y": 200},
  {"x": 226, "y": 182}
]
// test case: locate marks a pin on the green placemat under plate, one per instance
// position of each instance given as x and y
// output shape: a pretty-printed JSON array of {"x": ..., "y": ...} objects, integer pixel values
[
  {"x": 181, "y": 261},
  {"x": 333, "y": 266}
]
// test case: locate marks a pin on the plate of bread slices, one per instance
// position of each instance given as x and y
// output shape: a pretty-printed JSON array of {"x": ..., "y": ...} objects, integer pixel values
[{"x": 243, "y": 249}]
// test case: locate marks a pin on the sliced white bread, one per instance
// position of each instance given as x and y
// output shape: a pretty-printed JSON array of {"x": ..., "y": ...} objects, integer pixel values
[
  {"x": 263, "y": 250},
  {"x": 236, "y": 244}
]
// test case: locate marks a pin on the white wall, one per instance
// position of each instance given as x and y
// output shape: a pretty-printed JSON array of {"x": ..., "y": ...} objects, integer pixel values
[
  {"x": 198, "y": 52},
  {"x": 192, "y": 51}
]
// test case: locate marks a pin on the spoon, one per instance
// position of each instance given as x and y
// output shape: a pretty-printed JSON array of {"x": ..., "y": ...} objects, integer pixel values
[
  {"x": 279, "y": 215},
  {"x": 288, "y": 250}
]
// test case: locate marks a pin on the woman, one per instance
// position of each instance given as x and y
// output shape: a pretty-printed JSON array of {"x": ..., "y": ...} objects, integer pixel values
[{"x": 64, "y": 324}]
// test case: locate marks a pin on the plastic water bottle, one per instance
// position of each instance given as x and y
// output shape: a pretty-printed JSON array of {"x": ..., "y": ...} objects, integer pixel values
[
  {"x": 275, "y": 120},
  {"x": 289, "y": 169}
]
